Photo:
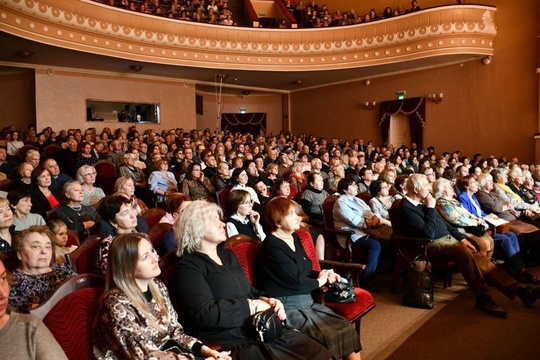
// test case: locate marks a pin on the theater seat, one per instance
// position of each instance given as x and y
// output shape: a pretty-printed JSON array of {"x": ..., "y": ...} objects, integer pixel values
[{"x": 69, "y": 314}]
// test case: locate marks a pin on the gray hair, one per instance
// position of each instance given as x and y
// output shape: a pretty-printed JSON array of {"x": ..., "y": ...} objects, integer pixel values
[
  {"x": 82, "y": 170},
  {"x": 414, "y": 182},
  {"x": 438, "y": 187},
  {"x": 497, "y": 173},
  {"x": 192, "y": 223},
  {"x": 483, "y": 179}
]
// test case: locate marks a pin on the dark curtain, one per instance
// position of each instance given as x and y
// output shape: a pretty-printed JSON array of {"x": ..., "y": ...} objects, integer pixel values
[
  {"x": 414, "y": 107},
  {"x": 254, "y": 123}
]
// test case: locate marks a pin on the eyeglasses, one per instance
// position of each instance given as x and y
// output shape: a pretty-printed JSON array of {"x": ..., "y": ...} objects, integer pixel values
[
  {"x": 249, "y": 202},
  {"x": 92, "y": 173}
]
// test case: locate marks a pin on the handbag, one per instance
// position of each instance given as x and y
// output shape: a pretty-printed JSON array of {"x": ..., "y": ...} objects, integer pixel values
[
  {"x": 477, "y": 230},
  {"x": 267, "y": 325},
  {"x": 341, "y": 292},
  {"x": 419, "y": 281}
]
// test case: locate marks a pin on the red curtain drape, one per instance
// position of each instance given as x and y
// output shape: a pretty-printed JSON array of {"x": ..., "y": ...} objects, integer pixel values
[
  {"x": 414, "y": 107},
  {"x": 254, "y": 123}
]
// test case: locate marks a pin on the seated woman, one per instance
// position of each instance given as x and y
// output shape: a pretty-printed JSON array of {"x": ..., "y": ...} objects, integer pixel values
[
  {"x": 282, "y": 189},
  {"x": 7, "y": 229},
  {"x": 242, "y": 219},
  {"x": 196, "y": 185},
  {"x": 60, "y": 239},
  {"x": 35, "y": 279},
  {"x": 117, "y": 211},
  {"x": 86, "y": 175},
  {"x": 508, "y": 241},
  {"x": 285, "y": 271},
  {"x": 216, "y": 300},
  {"x": 313, "y": 197},
  {"x": 175, "y": 204},
  {"x": 75, "y": 215},
  {"x": 23, "y": 336},
  {"x": 239, "y": 179},
  {"x": 380, "y": 204},
  {"x": 223, "y": 177},
  {"x": 337, "y": 173},
  {"x": 43, "y": 197},
  {"x": 130, "y": 170},
  {"x": 455, "y": 214},
  {"x": 252, "y": 172},
  {"x": 21, "y": 204},
  {"x": 126, "y": 185},
  {"x": 136, "y": 319},
  {"x": 24, "y": 176},
  {"x": 297, "y": 177},
  {"x": 162, "y": 182},
  {"x": 86, "y": 156},
  {"x": 491, "y": 203},
  {"x": 352, "y": 213}
]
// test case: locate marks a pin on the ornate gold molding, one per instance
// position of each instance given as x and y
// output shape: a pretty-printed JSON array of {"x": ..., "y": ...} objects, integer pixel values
[{"x": 91, "y": 27}]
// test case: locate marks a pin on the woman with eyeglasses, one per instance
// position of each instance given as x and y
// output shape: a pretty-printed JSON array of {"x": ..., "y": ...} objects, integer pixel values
[
  {"x": 242, "y": 219},
  {"x": 86, "y": 175},
  {"x": 196, "y": 185}
]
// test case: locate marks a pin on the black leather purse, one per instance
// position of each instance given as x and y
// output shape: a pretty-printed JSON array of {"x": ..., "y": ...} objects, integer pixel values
[
  {"x": 419, "y": 281},
  {"x": 267, "y": 325},
  {"x": 341, "y": 292}
]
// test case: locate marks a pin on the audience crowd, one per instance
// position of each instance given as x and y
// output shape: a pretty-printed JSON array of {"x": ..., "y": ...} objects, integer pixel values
[
  {"x": 51, "y": 178},
  {"x": 307, "y": 13}
]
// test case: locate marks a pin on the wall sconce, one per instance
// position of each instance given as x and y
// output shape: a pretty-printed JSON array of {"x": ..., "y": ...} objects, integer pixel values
[
  {"x": 436, "y": 98},
  {"x": 242, "y": 110},
  {"x": 369, "y": 105},
  {"x": 487, "y": 60}
]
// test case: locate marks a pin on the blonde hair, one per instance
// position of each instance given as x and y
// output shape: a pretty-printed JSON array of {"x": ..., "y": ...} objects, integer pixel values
[
  {"x": 192, "y": 223},
  {"x": 121, "y": 182}
]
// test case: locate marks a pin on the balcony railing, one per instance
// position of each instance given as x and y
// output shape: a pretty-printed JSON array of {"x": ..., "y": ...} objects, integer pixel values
[{"x": 88, "y": 26}]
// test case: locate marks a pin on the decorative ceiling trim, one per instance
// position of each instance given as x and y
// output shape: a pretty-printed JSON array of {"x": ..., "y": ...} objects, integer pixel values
[{"x": 91, "y": 27}]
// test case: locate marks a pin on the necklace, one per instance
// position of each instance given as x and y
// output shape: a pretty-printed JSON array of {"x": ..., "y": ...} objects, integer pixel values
[{"x": 77, "y": 209}]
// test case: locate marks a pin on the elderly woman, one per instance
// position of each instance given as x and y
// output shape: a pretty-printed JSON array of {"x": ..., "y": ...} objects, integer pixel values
[
  {"x": 455, "y": 214},
  {"x": 86, "y": 175},
  {"x": 313, "y": 197},
  {"x": 285, "y": 271},
  {"x": 242, "y": 219},
  {"x": 128, "y": 326},
  {"x": 239, "y": 179},
  {"x": 21, "y": 204},
  {"x": 37, "y": 276},
  {"x": 516, "y": 184},
  {"x": 24, "y": 336},
  {"x": 126, "y": 186},
  {"x": 338, "y": 173},
  {"x": 76, "y": 216},
  {"x": 500, "y": 176},
  {"x": 43, "y": 197},
  {"x": 7, "y": 228},
  {"x": 162, "y": 182},
  {"x": 216, "y": 299},
  {"x": 297, "y": 177},
  {"x": 196, "y": 185},
  {"x": 352, "y": 213},
  {"x": 129, "y": 169},
  {"x": 117, "y": 211},
  {"x": 508, "y": 241},
  {"x": 24, "y": 176}
]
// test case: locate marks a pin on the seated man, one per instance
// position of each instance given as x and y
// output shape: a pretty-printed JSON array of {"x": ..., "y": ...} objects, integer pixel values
[{"x": 416, "y": 216}]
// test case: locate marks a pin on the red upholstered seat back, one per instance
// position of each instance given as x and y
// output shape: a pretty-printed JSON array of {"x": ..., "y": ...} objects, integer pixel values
[
  {"x": 83, "y": 258},
  {"x": 153, "y": 215},
  {"x": 70, "y": 321},
  {"x": 246, "y": 252},
  {"x": 309, "y": 248}
]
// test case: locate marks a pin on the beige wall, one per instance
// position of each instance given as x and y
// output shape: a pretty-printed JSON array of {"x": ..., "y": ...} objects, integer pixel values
[
  {"x": 492, "y": 109},
  {"x": 269, "y": 104},
  {"x": 17, "y": 105},
  {"x": 61, "y": 99}
]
